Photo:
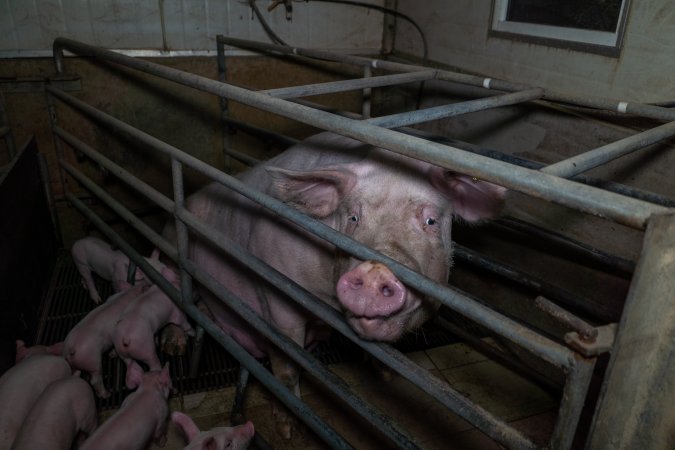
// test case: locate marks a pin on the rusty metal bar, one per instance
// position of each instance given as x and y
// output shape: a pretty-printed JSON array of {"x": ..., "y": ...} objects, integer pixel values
[
  {"x": 349, "y": 85},
  {"x": 586, "y": 331}
]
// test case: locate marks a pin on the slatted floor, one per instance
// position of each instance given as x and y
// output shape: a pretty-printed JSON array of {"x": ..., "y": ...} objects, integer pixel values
[{"x": 67, "y": 303}]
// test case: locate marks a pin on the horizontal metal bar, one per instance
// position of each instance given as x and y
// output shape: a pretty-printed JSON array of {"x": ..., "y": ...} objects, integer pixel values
[
  {"x": 547, "y": 349},
  {"x": 299, "y": 408},
  {"x": 601, "y": 155},
  {"x": 455, "y": 109},
  {"x": 624, "y": 210},
  {"x": 586, "y": 331},
  {"x": 267, "y": 134},
  {"x": 349, "y": 85},
  {"x": 600, "y": 312},
  {"x": 622, "y": 107},
  {"x": 433, "y": 386}
]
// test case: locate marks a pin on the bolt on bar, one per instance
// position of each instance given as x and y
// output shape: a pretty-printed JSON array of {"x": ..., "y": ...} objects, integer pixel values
[
  {"x": 624, "y": 210},
  {"x": 548, "y": 350},
  {"x": 601, "y": 155},
  {"x": 441, "y": 391},
  {"x": 455, "y": 109},
  {"x": 349, "y": 85}
]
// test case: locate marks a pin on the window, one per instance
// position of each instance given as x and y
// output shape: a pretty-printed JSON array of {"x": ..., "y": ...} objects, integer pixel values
[{"x": 588, "y": 25}]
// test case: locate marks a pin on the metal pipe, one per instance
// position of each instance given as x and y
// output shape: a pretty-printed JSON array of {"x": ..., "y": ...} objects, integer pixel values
[
  {"x": 586, "y": 331},
  {"x": 455, "y": 109},
  {"x": 622, "y": 107},
  {"x": 349, "y": 85},
  {"x": 5, "y": 131},
  {"x": 600, "y": 312},
  {"x": 299, "y": 408},
  {"x": 587, "y": 199},
  {"x": 625, "y": 266},
  {"x": 367, "y": 92},
  {"x": 182, "y": 240},
  {"x": 601, "y": 155},
  {"x": 572, "y": 402}
]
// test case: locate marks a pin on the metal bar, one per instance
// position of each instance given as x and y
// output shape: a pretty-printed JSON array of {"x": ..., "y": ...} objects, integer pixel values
[
  {"x": 299, "y": 408},
  {"x": 614, "y": 262},
  {"x": 267, "y": 134},
  {"x": 349, "y": 85},
  {"x": 572, "y": 403},
  {"x": 635, "y": 409},
  {"x": 224, "y": 109},
  {"x": 622, "y": 107},
  {"x": 182, "y": 240},
  {"x": 601, "y": 155},
  {"x": 548, "y": 350},
  {"x": 455, "y": 109},
  {"x": 570, "y": 299},
  {"x": 627, "y": 211},
  {"x": 586, "y": 331}
]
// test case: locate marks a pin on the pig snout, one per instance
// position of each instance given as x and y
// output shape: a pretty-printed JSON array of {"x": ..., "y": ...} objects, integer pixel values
[{"x": 371, "y": 291}]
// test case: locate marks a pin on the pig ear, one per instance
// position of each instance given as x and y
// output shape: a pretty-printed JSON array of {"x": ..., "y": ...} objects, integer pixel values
[
  {"x": 185, "y": 424},
  {"x": 315, "y": 192},
  {"x": 471, "y": 198},
  {"x": 134, "y": 375}
]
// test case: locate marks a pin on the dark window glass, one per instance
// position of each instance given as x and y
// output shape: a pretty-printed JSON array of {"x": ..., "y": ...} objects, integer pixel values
[{"x": 598, "y": 15}]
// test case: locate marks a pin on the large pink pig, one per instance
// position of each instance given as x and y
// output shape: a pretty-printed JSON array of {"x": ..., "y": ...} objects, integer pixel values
[
  {"x": 93, "y": 335},
  {"x": 134, "y": 334},
  {"x": 23, "y": 352},
  {"x": 397, "y": 205},
  {"x": 20, "y": 388},
  {"x": 92, "y": 254},
  {"x": 142, "y": 417},
  {"x": 64, "y": 414},
  {"x": 219, "y": 438}
]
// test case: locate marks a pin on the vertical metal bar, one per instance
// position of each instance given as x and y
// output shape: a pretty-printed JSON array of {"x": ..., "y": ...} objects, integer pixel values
[
  {"x": 636, "y": 406},
  {"x": 181, "y": 230},
  {"x": 44, "y": 171},
  {"x": 601, "y": 155},
  {"x": 572, "y": 402},
  {"x": 224, "y": 110},
  {"x": 365, "y": 107}
]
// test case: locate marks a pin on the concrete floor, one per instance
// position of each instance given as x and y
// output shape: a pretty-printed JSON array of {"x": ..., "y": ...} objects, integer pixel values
[{"x": 428, "y": 423}]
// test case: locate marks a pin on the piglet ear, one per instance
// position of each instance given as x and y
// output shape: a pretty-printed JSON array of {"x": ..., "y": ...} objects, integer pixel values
[
  {"x": 184, "y": 423},
  {"x": 20, "y": 351},
  {"x": 471, "y": 199},
  {"x": 316, "y": 192},
  {"x": 134, "y": 375}
]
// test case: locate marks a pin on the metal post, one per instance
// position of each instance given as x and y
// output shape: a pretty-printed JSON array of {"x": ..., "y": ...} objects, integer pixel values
[
  {"x": 367, "y": 92},
  {"x": 637, "y": 403}
]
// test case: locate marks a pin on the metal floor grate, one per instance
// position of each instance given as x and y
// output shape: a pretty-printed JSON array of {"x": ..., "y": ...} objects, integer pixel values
[{"x": 68, "y": 302}]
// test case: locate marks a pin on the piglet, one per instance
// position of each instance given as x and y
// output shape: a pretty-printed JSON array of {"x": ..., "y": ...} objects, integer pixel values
[
  {"x": 20, "y": 388},
  {"x": 92, "y": 336},
  {"x": 23, "y": 352},
  {"x": 64, "y": 414},
  {"x": 93, "y": 254},
  {"x": 219, "y": 438},
  {"x": 134, "y": 334},
  {"x": 142, "y": 416}
]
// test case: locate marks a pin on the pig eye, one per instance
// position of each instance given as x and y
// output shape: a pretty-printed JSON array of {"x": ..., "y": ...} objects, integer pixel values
[
  {"x": 353, "y": 218},
  {"x": 430, "y": 221}
]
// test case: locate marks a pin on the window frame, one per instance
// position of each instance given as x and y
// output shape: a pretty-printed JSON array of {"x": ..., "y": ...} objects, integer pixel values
[{"x": 590, "y": 41}]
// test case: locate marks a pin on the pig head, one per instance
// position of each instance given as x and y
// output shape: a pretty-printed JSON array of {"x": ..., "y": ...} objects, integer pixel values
[{"x": 399, "y": 206}]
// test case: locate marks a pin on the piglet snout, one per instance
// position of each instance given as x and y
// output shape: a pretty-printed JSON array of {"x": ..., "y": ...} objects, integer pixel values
[{"x": 371, "y": 290}]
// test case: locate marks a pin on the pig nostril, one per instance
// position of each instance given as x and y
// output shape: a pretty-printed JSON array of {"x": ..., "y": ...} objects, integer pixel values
[{"x": 387, "y": 291}]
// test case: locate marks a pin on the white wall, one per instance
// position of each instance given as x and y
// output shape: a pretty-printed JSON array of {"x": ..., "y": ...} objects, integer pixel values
[
  {"x": 28, "y": 27},
  {"x": 457, "y": 32}
]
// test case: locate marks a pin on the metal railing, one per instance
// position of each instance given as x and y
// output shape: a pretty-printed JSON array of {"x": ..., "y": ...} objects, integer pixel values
[{"x": 578, "y": 369}]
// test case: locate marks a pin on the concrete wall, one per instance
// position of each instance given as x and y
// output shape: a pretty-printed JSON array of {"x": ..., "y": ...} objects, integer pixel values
[{"x": 457, "y": 33}]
